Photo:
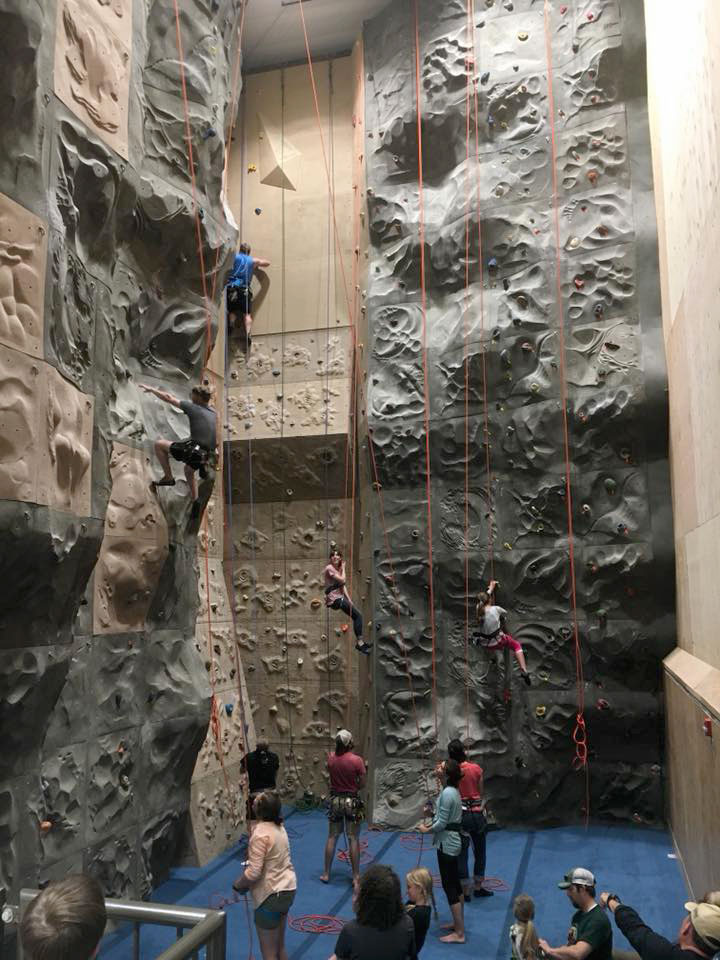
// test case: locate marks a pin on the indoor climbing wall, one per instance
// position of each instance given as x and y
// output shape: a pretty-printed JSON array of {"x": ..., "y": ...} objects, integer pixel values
[
  {"x": 289, "y": 431},
  {"x": 513, "y": 278},
  {"x": 104, "y": 698}
]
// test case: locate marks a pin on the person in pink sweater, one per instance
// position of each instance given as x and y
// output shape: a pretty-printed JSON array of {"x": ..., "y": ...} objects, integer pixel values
[{"x": 269, "y": 876}]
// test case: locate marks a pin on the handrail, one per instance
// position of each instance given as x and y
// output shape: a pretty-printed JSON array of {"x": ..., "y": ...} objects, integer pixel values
[{"x": 205, "y": 928}]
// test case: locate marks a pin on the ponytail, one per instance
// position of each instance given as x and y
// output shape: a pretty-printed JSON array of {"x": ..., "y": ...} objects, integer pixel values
[{"x": 530, "y": 942}]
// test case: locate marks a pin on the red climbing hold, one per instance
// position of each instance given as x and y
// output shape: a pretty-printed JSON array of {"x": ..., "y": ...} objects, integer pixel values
[
  {"x": 591, "y": 16},
  {"x": 579, "y": 283}
]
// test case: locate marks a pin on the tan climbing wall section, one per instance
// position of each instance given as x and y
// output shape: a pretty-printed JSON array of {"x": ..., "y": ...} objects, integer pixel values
[
  {"x": 290, "y": 418},
  {"x": 92, "y": 66},
  {"x": 685, "y": 124}
]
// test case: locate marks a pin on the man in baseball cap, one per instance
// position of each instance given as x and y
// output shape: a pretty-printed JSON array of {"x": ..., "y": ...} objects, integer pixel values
[
  {"x": 590, "y": 934},
  {"x": 699, "y": 934}
]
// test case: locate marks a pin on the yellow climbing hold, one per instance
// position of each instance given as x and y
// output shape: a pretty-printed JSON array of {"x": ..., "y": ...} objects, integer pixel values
[
  {"x": 508, "y": 546},
  {"x": 252, "y": 168},
  {"x": 540, "y": 711}
]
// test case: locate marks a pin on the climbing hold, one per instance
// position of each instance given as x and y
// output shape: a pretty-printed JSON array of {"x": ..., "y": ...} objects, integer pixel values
[
  {"x": 610, "y": 485},
  {"x": 344, "y": 628},
  {"x": 490, "y": 120},
  {"x": 258, "y": 211},
  {"x": 527, "y": 346},
  {"x": 603, "y": 704},
  {"x": 252, "y": 168},
  {"x": 522, "y": 36},
  {"x": 210, "y": 132},
  {"x": 315, "y": 604},
  {"x": 492, "y": 263},
  {"x": 229, "y": 709},
  {"x": 563, "y": 11},
  {"x": 485, "y": 77},
  {"x": 46, "y": 825},
  {"x": 592, "y": 176},
  {"x": 598, "y": 309},
  {"x": 591, "y": 16},
  {"x": 579, "y": 283},
  {"x": 508, "y": 546},
  {"x": 540, "y": 711}
]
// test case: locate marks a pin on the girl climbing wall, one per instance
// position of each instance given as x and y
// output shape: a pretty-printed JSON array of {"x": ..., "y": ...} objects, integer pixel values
[
  {"x": 491, "y": 629},
  {"x": 337, "y": 597}
]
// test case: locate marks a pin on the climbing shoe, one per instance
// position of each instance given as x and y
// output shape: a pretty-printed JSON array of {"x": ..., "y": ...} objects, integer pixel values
[{"x": 363, "y": 647}]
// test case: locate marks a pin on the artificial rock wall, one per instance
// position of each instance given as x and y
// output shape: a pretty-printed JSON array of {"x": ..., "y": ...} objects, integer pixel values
[
  {"x": 501, "y": 328},
  {"x": 290, "y": 402},
  {"x": 104, "y": 698}
]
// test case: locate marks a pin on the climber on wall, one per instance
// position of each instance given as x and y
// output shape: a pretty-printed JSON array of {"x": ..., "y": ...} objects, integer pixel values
[
  {"x": 337, "y": 597},
  {"x": 239, "y": 294},
  {"x": 492, "y": 634},
  {"x": 198, "y": 452}
]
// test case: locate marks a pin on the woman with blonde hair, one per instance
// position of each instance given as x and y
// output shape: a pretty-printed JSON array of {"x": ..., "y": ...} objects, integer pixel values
[
  {"x": 420, "y": 895},
  {"x": 523, "y": 935}
]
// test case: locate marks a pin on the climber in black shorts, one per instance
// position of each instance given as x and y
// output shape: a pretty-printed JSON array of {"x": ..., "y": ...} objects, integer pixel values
[{"x": 198, "y": 452}]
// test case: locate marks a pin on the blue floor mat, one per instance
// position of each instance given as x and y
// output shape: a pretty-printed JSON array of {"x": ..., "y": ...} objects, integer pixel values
[{"x": 632, "y": 862}]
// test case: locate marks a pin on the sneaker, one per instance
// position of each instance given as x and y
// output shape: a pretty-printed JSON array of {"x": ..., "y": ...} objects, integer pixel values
[
  {"x": 482, "y": 892},
  {"x": 362, "y": 647}
]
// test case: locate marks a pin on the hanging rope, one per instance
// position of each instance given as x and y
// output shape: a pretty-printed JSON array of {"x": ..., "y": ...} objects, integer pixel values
[
  {"x": 426, "y": 379},
  {"x": 580, "y": 761}
]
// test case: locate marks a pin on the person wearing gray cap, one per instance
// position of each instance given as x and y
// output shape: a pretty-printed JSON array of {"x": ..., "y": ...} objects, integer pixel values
[
  {"x": 346, "y": 811},
  {"x": 590, "y": 934},
  {"x": 699, "y": 934}
]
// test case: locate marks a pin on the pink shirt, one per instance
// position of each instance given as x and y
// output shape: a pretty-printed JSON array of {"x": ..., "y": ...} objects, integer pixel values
[
  {"x": 269, "y": 868},
  {"x": 471, "y": 785},
  {"x": 345, "y": 772}
]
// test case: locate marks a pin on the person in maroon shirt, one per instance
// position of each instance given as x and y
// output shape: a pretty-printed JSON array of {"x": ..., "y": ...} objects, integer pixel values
[{"x": 346, "y": 811}]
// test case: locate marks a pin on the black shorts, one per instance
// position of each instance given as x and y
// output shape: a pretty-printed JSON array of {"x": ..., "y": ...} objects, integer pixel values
[
  {"x": 191, "y": 453},
  {"x": 239, "y": 300}
]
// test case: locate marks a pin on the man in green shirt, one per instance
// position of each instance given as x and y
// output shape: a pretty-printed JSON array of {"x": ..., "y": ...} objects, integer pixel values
[{"x": 590, "y": 934}]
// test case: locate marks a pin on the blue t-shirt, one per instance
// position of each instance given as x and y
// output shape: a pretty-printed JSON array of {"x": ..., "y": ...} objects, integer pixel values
[{"x": 242, "y": 270}]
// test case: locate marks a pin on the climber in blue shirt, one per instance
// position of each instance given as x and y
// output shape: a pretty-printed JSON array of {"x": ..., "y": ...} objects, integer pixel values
[{"x": 239, "y": 294}]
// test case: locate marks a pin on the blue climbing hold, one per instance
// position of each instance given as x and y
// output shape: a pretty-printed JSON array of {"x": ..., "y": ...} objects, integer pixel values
[
  {"x": 210, "y": 132},
  {"x": 258, "y": 211},
  {"x": 229, "y": 709},
  {"x": 492, "y": 263},
  {"x": 485, "y": 77}
]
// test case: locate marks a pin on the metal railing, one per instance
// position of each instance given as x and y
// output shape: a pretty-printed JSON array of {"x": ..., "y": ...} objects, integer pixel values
[{"x": 205, "y": 928}]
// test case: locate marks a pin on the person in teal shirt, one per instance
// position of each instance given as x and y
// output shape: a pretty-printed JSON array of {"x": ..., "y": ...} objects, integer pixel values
[{"x": 446, "y": 829}]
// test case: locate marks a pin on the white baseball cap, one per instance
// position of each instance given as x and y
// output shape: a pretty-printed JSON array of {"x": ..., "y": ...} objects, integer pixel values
[
  {"x": 344, "y": 736},
  {"x": 578, "y": 876}
]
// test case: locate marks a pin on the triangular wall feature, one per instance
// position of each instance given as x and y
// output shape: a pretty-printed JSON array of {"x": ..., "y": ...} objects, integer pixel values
[{"x": 271, "y": 167}]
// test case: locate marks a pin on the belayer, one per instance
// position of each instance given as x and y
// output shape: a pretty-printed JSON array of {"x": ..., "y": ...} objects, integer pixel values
[{"x": 492, "y": 633}]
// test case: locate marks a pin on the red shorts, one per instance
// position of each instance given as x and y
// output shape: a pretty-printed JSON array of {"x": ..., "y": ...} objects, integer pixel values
[{"x": 505, "y": 640}]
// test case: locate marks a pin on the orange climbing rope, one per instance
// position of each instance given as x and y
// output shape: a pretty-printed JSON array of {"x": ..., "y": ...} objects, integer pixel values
[
  {"x": 351, "y": 443},
  {"x": 351, "y": 438},
  {"x": 579, "y": 736},
  {"x": 426, "y": 384},
  {"x": 469, "y": 70}
]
